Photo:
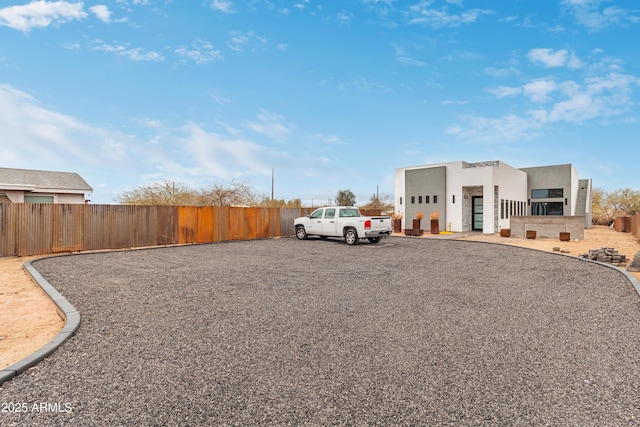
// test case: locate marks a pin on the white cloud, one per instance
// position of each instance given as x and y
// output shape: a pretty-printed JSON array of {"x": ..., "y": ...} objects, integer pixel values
[
  {"x": 423, "y": 13},
  {"x": 34, "y": 135},
  {"x": 328, "y": 139},
  {"x": 449, "y": 102},
  {"x": 271, "y": 124},
  {"x": 597, "y": 98},
  {"x": 344, "y": 18},
  {"x": 223, "y": 6},
  {"x": 240, "y": 41},
  {"x": 549, "y": 58},
  {"x": 200, "y": 52},
  {"x": 507, "y": 128},
  {"x": 593, "y": 15},
  {"x": 402, "y": 57},
  {"x": 135, "y": 54},
  {"x": 539, "y": 90},
  {"x": 102, "y": 13},
  {"x": 212, "y": 154},
  {"x": 504, "y": 91},
  {"x": 40, "y": 14}
]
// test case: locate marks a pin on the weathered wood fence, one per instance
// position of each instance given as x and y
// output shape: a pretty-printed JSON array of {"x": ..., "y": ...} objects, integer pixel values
[{"x": 36, "y": 229}]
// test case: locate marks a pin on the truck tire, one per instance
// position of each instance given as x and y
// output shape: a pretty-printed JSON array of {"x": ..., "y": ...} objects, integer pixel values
[
  {"x": 301, "y": 233},
  {"x": 374, "y": 239},
  {"x": 351, "y": 236}
]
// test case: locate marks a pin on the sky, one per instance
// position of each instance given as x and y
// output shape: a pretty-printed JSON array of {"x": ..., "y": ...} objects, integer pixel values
[{"x": 325, "y": 94}]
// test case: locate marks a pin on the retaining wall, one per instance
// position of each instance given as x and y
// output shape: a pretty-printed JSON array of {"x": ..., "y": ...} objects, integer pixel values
[{"x": 548, "y": 226}]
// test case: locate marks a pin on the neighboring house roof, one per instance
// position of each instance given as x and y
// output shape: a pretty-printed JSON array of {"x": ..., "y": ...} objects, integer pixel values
[{"x": 42, "y": 181}]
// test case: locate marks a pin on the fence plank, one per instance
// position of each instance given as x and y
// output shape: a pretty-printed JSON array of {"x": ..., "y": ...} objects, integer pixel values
[
  {"x": 249, "y": 217},
  {"x": 67, "y": 228},
  {"x": 187, "y": 224},
  {"x": 205, "y": 224},
  {"x": 7, "y": 230},
  {"x": 167, "y": 228}
]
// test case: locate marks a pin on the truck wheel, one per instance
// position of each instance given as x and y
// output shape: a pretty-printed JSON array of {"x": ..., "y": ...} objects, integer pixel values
[
  {"x": 301, "y": 234},
  {"x": 374, "y": 239},
  {"x": 351, "y": 237}
]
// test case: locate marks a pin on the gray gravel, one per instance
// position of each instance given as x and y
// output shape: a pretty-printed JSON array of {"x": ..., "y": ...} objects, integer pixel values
[{"x": 408, "y": 331}]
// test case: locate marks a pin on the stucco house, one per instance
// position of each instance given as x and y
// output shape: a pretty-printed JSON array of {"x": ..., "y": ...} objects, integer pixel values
[
  {"x": 35, "y": 186},
  {"x": 484, "y": 196}
]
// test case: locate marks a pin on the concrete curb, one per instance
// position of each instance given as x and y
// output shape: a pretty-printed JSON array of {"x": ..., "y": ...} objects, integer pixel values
[{"x": 66, "y": 311}]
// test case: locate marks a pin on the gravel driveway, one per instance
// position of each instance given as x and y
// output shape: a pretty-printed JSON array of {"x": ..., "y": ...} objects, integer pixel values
[{"x": 408, "y": 331}]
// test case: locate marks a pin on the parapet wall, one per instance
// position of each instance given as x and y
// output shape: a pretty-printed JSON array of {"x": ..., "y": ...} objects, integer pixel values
[{"x": 548, "y": 226}]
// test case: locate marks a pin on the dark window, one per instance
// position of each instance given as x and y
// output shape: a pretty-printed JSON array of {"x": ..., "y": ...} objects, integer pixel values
[
  {"x": 420, "y": 199},
  {"x": 38, "y": 199},
  {"x": 400, "y": 200},
  {"x": 501, "y": 208},
  {"x": 547, "y": 208},
  {"x": 426, "y": 199},
  {"x": 435, "y": 199},
  {"x": 550, "y": 193},
  {"x": 454, "y": 198},
  {"x": 349, "y": 213},
  {"x": 413, "y": 200}
]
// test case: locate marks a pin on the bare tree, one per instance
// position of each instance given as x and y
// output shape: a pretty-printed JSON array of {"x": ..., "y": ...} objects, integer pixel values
[
  {"x": 158, "y": 193},
  {"x": 266, "y": 201},
  {"x": 236, "y": 193},
  {"x": 625, "y": 200},
  {"x": 382, "y": 202},
  {"x": 607, "y": 206}
]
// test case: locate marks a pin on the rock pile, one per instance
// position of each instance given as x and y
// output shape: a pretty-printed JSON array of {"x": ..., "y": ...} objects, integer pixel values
[
  {"x": 608, "y": 255},
  {"x": 635, "y": 264}
]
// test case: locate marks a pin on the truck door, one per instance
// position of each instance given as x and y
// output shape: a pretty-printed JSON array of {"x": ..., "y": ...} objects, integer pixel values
[
  {"x": 314, "y": 224},
  {"x": 329, "y": 222}
]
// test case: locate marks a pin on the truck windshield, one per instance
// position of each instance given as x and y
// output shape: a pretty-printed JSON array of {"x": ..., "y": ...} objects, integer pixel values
[{"x": 349, "y": 213}]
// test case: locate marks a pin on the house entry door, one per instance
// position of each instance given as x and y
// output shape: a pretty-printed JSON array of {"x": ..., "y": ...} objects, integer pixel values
[{"x": 477, "y": 212}]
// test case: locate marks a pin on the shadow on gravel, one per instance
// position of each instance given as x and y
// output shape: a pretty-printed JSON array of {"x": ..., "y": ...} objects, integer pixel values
[{"x": 407, "y": 331}]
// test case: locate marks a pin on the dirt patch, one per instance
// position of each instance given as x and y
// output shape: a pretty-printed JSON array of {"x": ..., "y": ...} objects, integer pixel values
[{"x": 28, "y": 318}]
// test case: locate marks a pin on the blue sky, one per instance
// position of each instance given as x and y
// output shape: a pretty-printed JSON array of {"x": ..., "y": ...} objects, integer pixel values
[{"x": 329, "y": 94}]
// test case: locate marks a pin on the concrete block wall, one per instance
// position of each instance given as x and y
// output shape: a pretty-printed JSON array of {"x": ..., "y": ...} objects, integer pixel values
[{"x": 548, "y": 226}]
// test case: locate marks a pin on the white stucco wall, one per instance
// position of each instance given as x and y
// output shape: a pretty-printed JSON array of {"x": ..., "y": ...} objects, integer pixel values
[
  {"x": 511, "y": 183},
  {"x": 575, "y": 186}
]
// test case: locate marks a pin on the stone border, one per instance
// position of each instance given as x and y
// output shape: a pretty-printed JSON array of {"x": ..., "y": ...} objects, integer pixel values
[{"x": 65, "y": 310}]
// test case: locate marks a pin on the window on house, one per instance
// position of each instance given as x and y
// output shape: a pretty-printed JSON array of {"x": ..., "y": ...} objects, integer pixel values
[
  {"x": 426, "y": 199},
  {"x": 547, "y": 208},
  {"x": 38, "y": 199},
  {"x": 435, "y": 199},
  {"x": 400, "y": 200},
  {"x": 420, "y": 200},
  {"x": 413, "y": 200},
  {"x": 501, "y": 208},
  {"x": 454, "y": 198},
  {"x": 549, "y": 193}
]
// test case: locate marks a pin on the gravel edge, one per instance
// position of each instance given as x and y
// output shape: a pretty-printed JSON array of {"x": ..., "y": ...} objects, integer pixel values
[{"x": 66, "y": 311}]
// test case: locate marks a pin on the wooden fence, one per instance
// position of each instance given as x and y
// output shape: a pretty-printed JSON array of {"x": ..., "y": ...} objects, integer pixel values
[
  {"x": 635, "y": 225},
  {"x": 36, "y": 229}
]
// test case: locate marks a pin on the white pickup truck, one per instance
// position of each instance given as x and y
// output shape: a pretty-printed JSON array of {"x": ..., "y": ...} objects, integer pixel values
[{"x": 342, "y": 221}]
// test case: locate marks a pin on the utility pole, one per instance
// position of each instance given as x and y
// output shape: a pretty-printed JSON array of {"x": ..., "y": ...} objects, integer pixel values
[{"x": 272, "y": 181}]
